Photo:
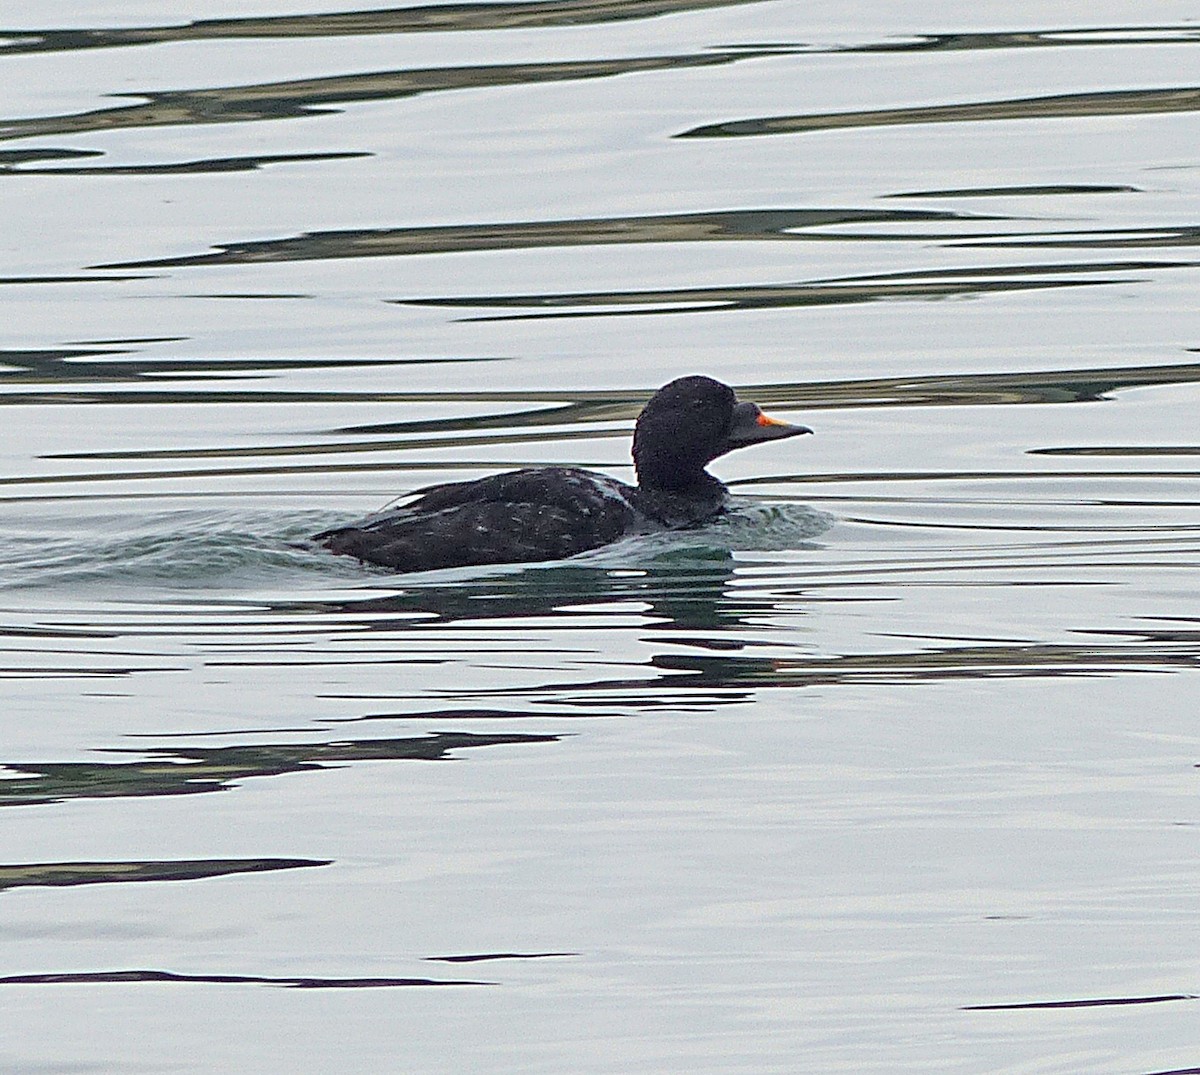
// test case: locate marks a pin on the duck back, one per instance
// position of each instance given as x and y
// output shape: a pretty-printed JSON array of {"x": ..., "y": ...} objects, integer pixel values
[{"x": 543, "y": 513}]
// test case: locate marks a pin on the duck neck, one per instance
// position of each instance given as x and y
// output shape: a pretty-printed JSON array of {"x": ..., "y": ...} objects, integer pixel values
[
  {"x": 675, "y": 481},
  {"x": 698, "y": 500}
]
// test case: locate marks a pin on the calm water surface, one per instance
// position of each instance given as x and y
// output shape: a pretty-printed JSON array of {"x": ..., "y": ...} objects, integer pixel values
[{"x": 893, "y": 770}]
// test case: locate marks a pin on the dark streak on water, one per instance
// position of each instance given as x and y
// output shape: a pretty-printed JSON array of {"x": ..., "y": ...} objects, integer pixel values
[
  {"x": 1104, "y": 1002},
  {"x": 132, "y": 977},
  {"x": 452, "y": 17},
  {"x": 489, "y": 956},
  {"x": 70, "y": 874},
  {"x": 312, "y": 97},
  {"x": 439, "y": 18},
  {"x": 12, "y": 161},
  {"x": 732, "y": 225},
  {"x": 1060, "y": 106},
  {"x": 197, "y": 770}
]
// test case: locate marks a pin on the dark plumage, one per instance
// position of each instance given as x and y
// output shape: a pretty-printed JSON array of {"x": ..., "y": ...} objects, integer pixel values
[{"x": 549, "y": 513}]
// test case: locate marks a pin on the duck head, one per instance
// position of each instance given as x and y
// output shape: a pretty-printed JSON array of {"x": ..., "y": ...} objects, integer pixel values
[{"x": 692, "y": 421}]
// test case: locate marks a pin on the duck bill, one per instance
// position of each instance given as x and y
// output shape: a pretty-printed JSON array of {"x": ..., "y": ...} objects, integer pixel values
[{"x": 751, "y": 426}]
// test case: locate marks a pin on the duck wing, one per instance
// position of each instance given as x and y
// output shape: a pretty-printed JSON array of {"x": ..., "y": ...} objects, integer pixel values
[{"x": 544, "y": 513}]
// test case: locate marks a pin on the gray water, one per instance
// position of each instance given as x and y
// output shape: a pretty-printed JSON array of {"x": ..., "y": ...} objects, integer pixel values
[{"x": 892, "y": 770}]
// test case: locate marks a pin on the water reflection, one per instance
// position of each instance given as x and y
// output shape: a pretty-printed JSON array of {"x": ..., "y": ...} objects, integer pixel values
[
  {"x": 551, "y": 417},
  {"x": 1105, "y": 238},
  {"x": 704, "y": 605},
  {"x": 548, "y": 412},
  {"x": 485, "y": 957},
  {"x": 706, "y": 626},
  {"x": 711, "y": 680},
  {"x": 1131, "y": 451},
  {"x": 687, "y": 588},
  {"x": 16, "y": 162},
  {"x": 736, "y": 225},
  {"x": 701, "y": 620},
  {"x": 197, "y": 770},
  {"x": 533, "y": 14},
  {"x": 757, "y": 225},
  {"x": 66, "y": 279},
  {"x": 1100, "y": 1002},
  {"x": 1027, "y": 191},
  {"x": 71, "y": 874},
  {"x": 1132, "y": 35},
  {"x": 1059, "y": 106},
  {"x": 92, "y": 364},
  {"x": 315, "y": 96},
  {"x": 128, "y": 977},
  {"x": 751, "y": 297},
  {"x": 439, "y": 18}
]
